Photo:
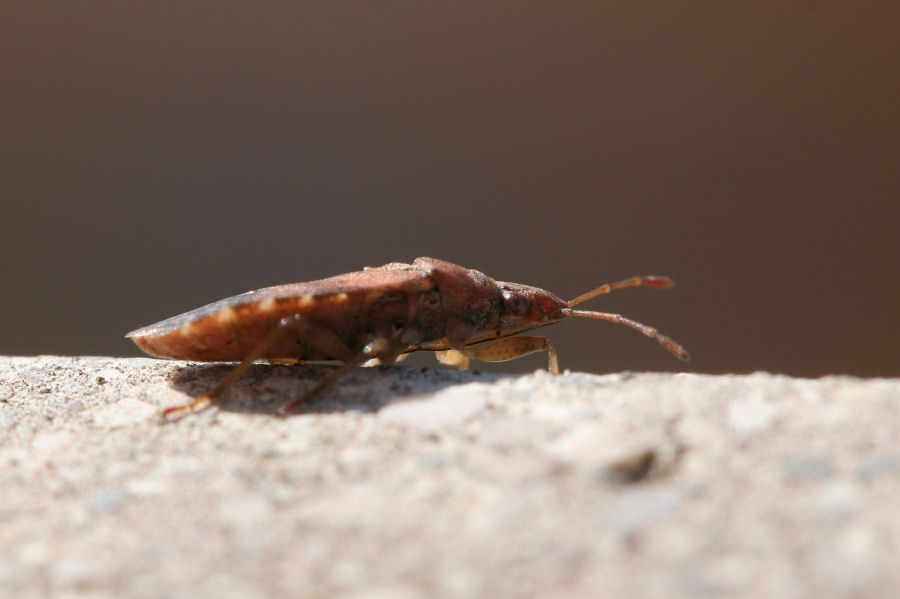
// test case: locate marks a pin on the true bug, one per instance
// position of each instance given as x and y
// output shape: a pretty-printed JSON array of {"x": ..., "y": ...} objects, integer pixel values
[{"x": 380, "y": 313}]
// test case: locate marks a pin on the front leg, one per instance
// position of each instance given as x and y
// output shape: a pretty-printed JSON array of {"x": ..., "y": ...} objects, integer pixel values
[{"x": 501, "y": 350}]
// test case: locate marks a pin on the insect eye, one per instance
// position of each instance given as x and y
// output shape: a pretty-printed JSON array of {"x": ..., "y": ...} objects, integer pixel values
[{"x": 516, "y": 304}]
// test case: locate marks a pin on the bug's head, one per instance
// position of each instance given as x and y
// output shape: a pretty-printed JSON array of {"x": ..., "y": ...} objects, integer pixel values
[{"x": 526, "y": 307}]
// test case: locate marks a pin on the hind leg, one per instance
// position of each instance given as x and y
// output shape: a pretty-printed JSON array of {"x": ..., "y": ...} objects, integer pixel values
[
  {"x": 322, "y": 339},
  {"x": 381, "y": 349}
]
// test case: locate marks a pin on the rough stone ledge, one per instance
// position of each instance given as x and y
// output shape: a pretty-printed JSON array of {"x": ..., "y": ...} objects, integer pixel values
[{"x": 406, "y": 482}]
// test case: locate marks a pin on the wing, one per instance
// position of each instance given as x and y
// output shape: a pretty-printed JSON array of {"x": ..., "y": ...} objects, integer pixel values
[{"x": 348, "y": 305}]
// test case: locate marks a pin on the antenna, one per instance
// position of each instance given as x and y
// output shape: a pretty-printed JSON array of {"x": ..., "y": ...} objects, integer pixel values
[
  {"x": 647, "y": 281},
  {"x": 667, "y": 342}
]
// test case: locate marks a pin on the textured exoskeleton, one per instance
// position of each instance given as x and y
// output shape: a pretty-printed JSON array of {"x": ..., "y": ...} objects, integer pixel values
[{"x": 378, "y": 314}]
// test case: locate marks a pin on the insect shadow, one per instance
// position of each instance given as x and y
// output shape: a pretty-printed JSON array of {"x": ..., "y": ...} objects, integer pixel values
[{"x": 264, "y": 388}]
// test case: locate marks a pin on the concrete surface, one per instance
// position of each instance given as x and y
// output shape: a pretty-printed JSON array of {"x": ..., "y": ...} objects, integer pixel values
[{"x": 411, "y": 483}]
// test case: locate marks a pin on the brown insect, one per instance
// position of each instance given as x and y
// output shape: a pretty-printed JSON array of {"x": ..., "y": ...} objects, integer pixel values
[{"x": 378, "y": 314}]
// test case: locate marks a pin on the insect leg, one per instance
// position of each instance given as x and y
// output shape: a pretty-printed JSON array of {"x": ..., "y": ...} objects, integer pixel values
[
  {"x": 381, "y": 362},
  {"x": 378, "y": 349},
  {"x": 501, "y": 350},
  {"x": 325, "y": 340}
]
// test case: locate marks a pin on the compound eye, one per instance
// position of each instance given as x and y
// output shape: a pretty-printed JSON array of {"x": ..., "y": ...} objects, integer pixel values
[{"x": 516, "y": 304}]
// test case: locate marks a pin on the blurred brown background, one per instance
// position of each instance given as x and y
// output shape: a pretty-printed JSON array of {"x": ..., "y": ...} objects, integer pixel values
[{"x": 157, "y": 156}]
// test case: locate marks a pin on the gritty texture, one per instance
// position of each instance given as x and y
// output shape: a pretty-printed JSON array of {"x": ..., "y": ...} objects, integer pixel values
[{"x": 410, "y": 483}]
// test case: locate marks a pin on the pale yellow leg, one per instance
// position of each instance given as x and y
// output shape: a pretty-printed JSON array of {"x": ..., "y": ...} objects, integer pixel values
[
  {"x": 379, "y": 362},
  {"x": 501, "y": 350},
  {"x": 453, "y": 357}
]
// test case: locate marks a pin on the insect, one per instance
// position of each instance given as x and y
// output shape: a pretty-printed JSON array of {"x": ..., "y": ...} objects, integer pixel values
[{"x": 379, "y": 314}]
